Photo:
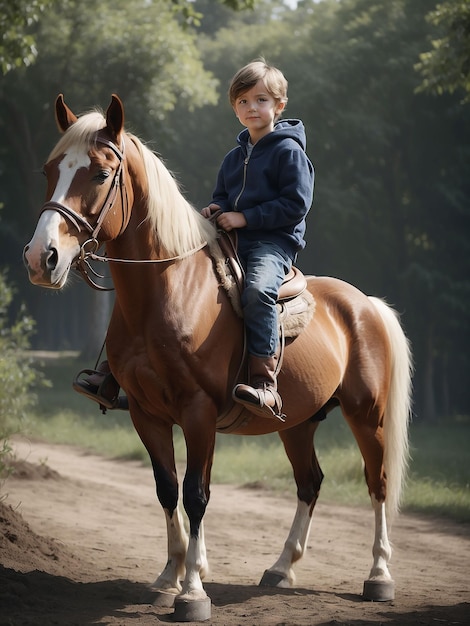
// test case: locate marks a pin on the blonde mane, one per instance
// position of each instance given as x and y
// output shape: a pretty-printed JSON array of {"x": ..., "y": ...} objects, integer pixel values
[{"x": 178, "y": 226}]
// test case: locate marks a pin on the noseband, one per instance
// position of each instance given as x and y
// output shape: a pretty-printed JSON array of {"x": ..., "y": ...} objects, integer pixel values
[{"x": 77, "y": 220}]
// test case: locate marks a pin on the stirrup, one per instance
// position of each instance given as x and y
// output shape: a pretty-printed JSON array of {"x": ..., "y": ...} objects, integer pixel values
[
  {"x": 254, "y": 403},
  {"x": 106, "y": 393}
]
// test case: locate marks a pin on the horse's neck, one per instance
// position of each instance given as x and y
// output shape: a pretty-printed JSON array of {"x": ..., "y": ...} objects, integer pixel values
[
  {"x": 149, "y": 281},
  {"x": 136, "y": 243}
]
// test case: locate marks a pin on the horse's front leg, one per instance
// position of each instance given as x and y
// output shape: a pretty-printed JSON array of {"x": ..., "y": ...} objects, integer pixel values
[
  {"x": 193, "y": 604},
  {"x": 157, "y": 437},
  {"x": 168, "y": 584},
  {"x": 298, "y": 443}
]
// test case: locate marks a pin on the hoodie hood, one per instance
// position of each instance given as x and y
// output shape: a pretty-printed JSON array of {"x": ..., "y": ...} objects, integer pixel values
[{"x": 283, "y": 129}]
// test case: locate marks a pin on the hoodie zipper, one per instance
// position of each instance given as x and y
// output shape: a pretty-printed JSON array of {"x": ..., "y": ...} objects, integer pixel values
[{"x": 245, "y": 164}]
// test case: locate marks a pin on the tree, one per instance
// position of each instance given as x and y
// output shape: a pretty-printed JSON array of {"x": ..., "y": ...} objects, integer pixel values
[
  {"x": 17, "y": 47},
  {"x": 390, "y": 213},
  {"x": 390, "y": 206},
  {"x": 446, "y": 68},
  {"x": 144, "y": 51},
  {"x": 151, "y": 62}
]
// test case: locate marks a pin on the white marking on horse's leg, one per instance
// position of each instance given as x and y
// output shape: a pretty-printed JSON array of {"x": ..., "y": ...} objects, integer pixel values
[
  {"x": 196, "y": 568},
  {"x": 203, "y": 552},
  {"x": 381, "y": 549},
  {"x": 169, "y": 579},
  {"x": 294, "y": 546}
]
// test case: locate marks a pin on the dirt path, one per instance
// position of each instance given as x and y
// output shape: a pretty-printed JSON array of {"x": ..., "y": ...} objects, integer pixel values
[{"x": 92, "y": 535}]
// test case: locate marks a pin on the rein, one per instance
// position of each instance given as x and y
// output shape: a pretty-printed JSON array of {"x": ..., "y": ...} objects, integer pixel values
[{"x": 84, "y": 267}]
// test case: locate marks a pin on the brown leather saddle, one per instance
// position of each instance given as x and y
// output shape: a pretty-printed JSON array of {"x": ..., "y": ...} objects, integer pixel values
[{"x": 294, "y": 283}]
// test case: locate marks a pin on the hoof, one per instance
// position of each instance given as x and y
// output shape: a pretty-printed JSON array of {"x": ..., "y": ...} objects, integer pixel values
[
  {"x": 271, "y": 579},
  {"x": 192, "y": 610},
  {"x": 379, "y": 590}
]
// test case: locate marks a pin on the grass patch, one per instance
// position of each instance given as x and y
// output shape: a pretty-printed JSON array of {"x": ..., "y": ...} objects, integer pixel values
[
  {"x": 110, "y": 439},
  {"x": 439, "y": 478}
]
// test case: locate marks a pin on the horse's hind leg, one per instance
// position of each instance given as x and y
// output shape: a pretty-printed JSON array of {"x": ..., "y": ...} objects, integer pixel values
[
  {"x": 368, "y": 432},
  {"x": 379, "y": 586},
  {"x": 298, "y": 443}
]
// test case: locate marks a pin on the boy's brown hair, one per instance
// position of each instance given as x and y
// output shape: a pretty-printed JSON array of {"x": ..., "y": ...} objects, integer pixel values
[{"x": 249, "y": 75}]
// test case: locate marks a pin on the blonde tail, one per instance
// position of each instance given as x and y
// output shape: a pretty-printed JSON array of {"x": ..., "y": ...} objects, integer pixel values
[{"x": 398, "y": 410}]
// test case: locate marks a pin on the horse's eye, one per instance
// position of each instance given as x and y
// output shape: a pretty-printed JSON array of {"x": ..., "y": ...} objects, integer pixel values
[{"x": 101, "y": 176}]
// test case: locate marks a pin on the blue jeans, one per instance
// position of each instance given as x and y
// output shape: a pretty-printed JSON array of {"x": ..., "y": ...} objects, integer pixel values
[{"x": 266, "y": 266}]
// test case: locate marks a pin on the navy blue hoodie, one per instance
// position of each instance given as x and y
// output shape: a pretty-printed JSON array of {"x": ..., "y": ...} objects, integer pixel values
[{"x": 273, "y": 187}]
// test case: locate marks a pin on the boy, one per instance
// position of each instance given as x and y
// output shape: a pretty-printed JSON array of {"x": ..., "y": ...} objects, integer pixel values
[{"x": 264, "y": 189}]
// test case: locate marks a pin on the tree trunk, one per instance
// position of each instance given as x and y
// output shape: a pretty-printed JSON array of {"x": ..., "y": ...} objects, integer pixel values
[{"x": 429, "y": 397}]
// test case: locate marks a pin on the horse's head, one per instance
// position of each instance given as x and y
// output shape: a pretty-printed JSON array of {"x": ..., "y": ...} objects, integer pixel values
[{"x": 84, "y": 190}]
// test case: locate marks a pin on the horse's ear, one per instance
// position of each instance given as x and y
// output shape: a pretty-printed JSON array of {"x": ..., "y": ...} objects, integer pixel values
[
  {"x": 115, "y": 116},
  {"x": 63, "y": 115}
]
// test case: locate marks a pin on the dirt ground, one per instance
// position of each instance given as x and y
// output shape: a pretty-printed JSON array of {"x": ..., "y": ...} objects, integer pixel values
[{"x": 81, "y": 536}]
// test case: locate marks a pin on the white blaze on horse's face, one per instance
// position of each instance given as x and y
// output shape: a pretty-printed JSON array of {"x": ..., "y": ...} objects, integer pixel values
[
  {"x": 52, "y": 250},
  {"x": 73, "y": 160}
]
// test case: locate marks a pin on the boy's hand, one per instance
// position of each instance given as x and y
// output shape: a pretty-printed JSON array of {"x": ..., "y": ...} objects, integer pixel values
[
  {"x": 230, "y": 220},
  {"x": 208, "y": 210}
]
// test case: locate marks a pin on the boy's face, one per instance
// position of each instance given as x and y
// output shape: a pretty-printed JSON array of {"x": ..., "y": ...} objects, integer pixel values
[{"x": 257, "y": 110}]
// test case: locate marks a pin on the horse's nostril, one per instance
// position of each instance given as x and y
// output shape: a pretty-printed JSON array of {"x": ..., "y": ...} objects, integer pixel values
[{"x": 51, "y": 259}]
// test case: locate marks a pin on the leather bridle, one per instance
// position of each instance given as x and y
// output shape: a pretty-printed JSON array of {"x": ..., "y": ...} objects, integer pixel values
[
  {"x": 78, "y": 221},
  {"x": 89, "y": 248},
  {"x": 91, "y": 245}
]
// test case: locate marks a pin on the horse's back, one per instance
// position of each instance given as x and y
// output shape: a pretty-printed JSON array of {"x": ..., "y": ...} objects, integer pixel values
[
  {"x": 334, "y": 291},
  {"x": 345, "y": 338},
  {"x": 342, "y": 307}
]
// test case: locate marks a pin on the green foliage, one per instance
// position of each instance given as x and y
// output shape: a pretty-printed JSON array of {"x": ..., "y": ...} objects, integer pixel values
[
  {"x": 192, "y": 17},
  {"x": 18, "y": 377},
  {"x": 446, "y": 67},
  {"x": 17, "y": 47},
  {"x": 136, "y": 49},
  {"x": 391, "y": 210},
  {"x": 239, "y": 5}
]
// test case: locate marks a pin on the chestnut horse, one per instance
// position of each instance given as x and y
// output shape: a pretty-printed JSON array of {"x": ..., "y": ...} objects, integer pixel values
[{"x": 175, "y": 345}]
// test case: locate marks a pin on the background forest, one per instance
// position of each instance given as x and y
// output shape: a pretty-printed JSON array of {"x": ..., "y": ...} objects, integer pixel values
[{"x": 382, "y": 87}]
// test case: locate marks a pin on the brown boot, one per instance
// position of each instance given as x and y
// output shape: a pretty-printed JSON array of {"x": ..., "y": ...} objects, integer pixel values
[
  {"x": 101, "y": 386},
  {"x": 261, "y": 396}
]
